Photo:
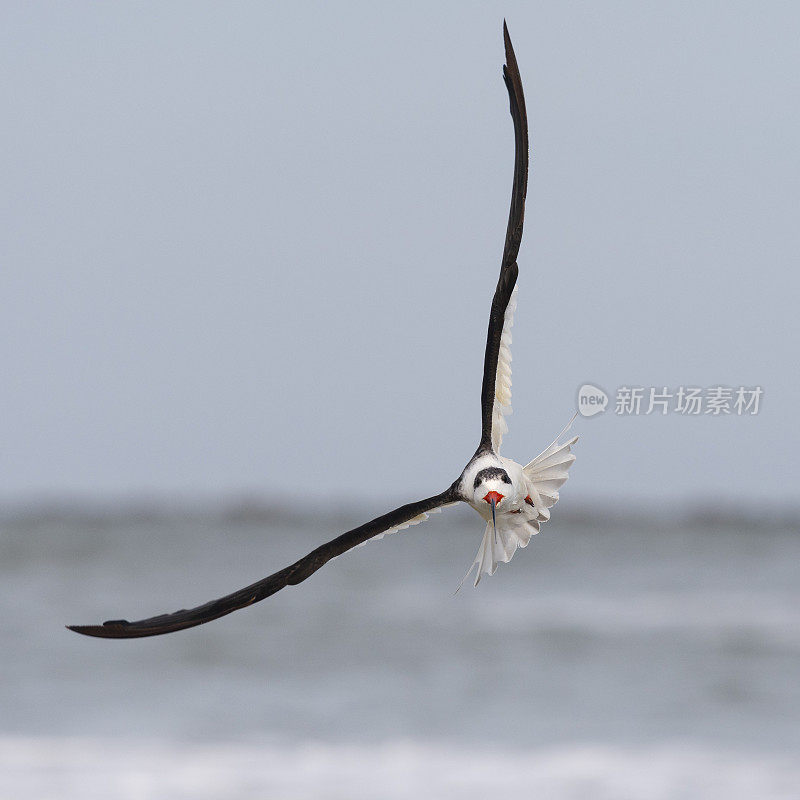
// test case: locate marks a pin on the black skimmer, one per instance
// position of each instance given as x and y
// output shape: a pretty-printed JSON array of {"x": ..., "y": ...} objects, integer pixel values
[{"x": 514, "y": 500}]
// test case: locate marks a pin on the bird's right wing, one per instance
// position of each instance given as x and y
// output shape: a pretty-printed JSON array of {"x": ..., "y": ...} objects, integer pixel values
[
  {"x": 406, "y": 515},
  {"x": 496, "y": 389}
]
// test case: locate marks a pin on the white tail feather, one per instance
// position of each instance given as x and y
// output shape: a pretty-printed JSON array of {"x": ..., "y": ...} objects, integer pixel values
[
  {"x": 549, "y": 471},
  {"x": 513, "y": 531}
]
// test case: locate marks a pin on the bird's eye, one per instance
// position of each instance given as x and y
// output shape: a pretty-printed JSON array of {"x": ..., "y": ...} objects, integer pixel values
[{"x": 506, "y": 479}]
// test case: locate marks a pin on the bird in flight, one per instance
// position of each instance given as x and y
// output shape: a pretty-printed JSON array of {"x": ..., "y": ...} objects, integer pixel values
[{"x": 514, "y": 500}]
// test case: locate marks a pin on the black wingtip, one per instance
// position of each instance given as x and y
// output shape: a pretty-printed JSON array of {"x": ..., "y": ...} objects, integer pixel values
[
  {"x": 511, "y": 58},
  {"x": 84, "y": 629},
  {"x": 113, "y": 629}
]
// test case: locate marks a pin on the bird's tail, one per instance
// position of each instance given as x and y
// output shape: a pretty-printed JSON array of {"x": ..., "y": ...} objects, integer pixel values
[
  {"x": 548, "y": 472},
  {"x": 500, "y": 543}
]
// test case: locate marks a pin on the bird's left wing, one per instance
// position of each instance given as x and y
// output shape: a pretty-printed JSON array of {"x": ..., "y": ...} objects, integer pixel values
[
  {"x": 412, "y": 513},
  {"x": 496, "y": 389}
]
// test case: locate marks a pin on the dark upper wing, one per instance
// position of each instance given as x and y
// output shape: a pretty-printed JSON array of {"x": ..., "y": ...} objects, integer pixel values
[
  {"x": 508, "y": 267},
  {"x": 291, "y": 575}
]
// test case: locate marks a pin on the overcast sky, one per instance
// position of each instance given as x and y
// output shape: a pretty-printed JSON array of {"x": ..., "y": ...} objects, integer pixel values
[{"x": 252, "y": 249}]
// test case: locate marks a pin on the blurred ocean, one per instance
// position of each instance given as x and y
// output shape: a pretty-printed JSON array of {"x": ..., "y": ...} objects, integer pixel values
[{"x": 612, "y": 659}]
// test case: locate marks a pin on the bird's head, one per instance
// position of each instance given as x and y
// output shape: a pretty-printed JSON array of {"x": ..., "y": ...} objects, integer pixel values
[{"x": 492, "y": 489}]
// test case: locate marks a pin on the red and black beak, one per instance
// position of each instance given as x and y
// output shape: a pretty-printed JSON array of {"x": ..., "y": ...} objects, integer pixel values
[{"x": 493, "y": 498}]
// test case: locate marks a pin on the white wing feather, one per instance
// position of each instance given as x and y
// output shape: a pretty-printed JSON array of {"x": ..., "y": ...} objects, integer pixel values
[
  {"x": 409, "y": 523},
  {"x": 502, "y": 386}
]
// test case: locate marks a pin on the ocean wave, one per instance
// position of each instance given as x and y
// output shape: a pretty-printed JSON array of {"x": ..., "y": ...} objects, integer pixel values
[
  {"x": 95, "y": 769},
  {"x": 768, "y": 617},
  {"x": 761, "y": 618}
]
